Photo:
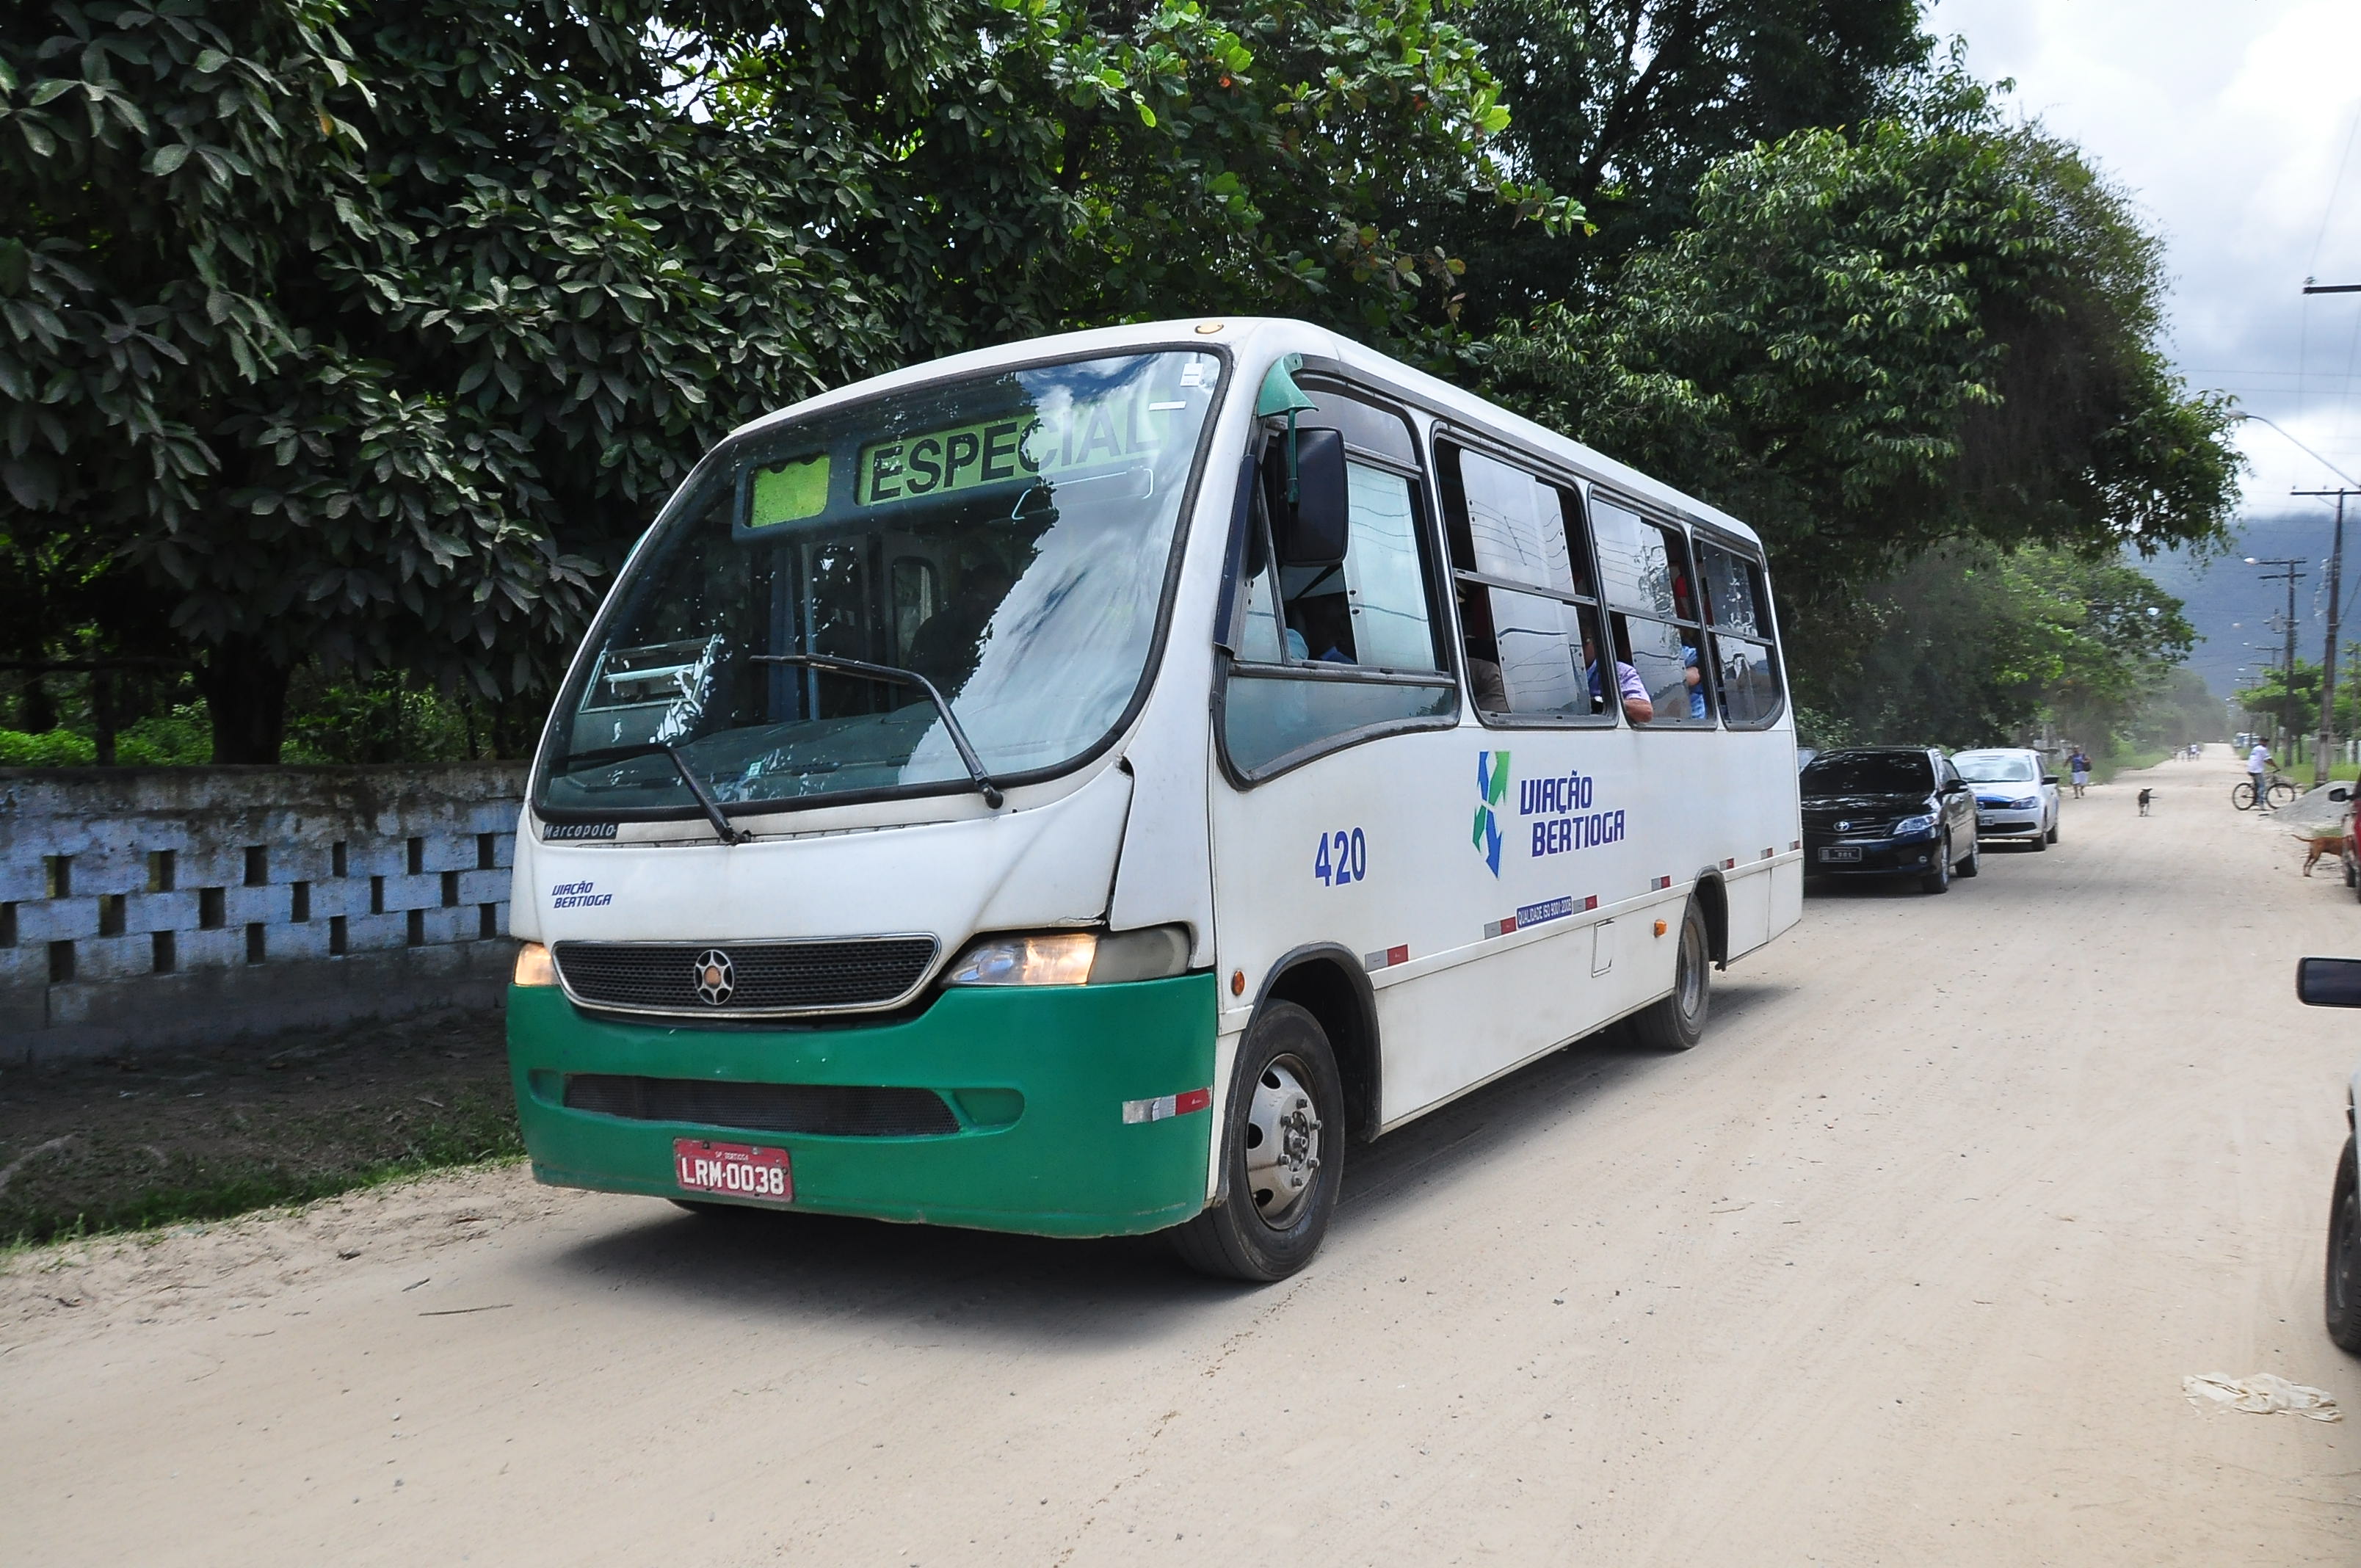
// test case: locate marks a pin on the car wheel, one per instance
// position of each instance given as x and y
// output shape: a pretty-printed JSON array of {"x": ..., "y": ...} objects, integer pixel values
[
  {"x": 2343, "y": 1292},
  {"x": 1939, "y": 879},
  {"x": 1677, "y": 1022},
  {"x": 1284, "y": 1155},
  {"x": 1975, "y": 860}
]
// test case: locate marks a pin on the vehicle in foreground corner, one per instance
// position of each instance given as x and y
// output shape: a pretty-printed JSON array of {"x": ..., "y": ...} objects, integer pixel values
[
  {"x": 2015, "y": 799},
  {"x": 1073, "y": 787},
  {"x": 2336, "y": 982},
  {"x": 1889, "y": 811}
]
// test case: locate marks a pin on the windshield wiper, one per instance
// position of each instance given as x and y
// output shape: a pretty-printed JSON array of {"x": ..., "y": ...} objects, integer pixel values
[
  {"x": 990, "y": 791},
  {"x": 713, "y": 814}
]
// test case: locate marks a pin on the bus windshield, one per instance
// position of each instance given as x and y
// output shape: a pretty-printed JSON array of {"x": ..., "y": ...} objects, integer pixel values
[{"x": 1006, "y": 537}]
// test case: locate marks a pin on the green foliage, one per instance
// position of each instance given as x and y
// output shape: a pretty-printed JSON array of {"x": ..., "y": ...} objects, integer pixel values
[
  {"x": 1941, "y": 329},
  {"x": 364, "y": 333},
  {"x": 1969, "y": 646},
  {"x": 1624, "y": 106}
]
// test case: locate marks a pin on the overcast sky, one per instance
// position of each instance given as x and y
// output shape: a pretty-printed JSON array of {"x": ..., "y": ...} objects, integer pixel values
[{"x": 2228, "y": 121}]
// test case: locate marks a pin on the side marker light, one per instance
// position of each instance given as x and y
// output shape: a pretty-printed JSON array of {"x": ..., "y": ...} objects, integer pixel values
[
  {"x": 1662, "y": 927},
  {"x": 1238, "y": 983}
]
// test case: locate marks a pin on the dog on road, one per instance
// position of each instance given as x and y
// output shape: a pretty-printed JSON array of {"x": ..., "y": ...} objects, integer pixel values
[
  {"x": 2332, "y": 845},
  {"x": 2146, "y": 795}
]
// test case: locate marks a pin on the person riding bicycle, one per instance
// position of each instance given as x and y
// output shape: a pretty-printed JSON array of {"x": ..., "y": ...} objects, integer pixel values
[{"x": 2259, "y": 763}]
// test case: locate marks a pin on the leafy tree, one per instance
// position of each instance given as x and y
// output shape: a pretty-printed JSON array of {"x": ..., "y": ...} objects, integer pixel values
[
  {"x": 364, "y": 332},
  {"x": 1972, "y": 646},
  {"x": 1623, "y": 105},
  {"x": 1939, "y": 329}
]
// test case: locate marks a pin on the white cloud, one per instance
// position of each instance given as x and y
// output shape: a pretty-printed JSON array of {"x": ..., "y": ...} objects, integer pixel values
[{"x": 2227, "y": 123}]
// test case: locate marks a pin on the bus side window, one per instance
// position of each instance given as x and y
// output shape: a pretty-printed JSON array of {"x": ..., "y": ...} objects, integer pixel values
[
  {"x": 1351, "y": 648},
  {"x": 1649, "y": 586},
  {"x": 1746, "y": 660},
  {"x": 1522, "y": 574}
]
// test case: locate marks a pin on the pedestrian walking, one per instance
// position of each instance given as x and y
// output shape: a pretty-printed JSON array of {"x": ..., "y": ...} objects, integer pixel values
[{"x": 2079, "y": 765}]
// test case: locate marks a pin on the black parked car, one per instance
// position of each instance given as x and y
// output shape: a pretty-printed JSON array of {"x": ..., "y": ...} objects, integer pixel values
[{"x": 1888, "y": 811}]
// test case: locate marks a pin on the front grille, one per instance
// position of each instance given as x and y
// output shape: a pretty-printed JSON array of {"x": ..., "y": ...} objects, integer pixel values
[
  {"x": 762, "y": 977},
  {"x": 836, "y": 1109}
]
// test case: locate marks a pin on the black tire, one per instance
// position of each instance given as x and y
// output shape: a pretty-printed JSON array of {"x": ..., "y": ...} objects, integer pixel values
[
  {"x": 2242, "y": 794},
  {"x": 2051, "y": 837},
  {"x": 1236, "y": 1238},
  {"x": 2043, "y": 840},
  {"x": 1939, "y": 879},
  {"x": 2281, "y": 792},
  {"x": 2344, "y": 1280},
  {"x": 1677, "y": 1022},
  {"x": 1974, "y": 862}
]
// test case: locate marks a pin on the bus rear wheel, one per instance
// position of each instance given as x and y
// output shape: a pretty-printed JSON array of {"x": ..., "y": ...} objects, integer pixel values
[
  {"x": 1282, "y": 1155},
  {"x": 1678, "y": 1021}
]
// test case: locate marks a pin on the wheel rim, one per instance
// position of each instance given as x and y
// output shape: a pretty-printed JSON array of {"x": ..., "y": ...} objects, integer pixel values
[{"x": 1282, "y": 1141}]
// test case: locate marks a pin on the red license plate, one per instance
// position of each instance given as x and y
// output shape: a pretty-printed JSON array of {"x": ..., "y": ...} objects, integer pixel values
[{"x": 732, "y": 1170}]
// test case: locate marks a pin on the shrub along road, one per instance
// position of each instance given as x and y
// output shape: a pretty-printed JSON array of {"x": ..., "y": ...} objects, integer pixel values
[{"x": 1904, "y": 1264}]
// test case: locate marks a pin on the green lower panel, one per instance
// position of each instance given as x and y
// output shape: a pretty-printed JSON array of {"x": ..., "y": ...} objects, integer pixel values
[{"x": 1037, "y": 1078}]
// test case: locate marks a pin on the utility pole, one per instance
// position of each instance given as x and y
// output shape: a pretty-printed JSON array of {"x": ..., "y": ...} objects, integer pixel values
[
  {"x": 2287, "y": 680},
  {"x": 2328, "y": 659}
]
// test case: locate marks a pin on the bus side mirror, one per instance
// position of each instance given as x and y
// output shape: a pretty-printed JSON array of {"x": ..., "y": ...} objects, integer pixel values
[
  {"x": 2328, "y": 982},
  {"x": 1312, "y": 532}
]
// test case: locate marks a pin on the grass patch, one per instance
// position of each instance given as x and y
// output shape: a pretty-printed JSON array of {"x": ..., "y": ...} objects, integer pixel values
[{"x": 110, "y": 1146}]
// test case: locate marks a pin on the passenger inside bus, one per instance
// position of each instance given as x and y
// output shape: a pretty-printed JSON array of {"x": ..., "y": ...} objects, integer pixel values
[
  {"x": 1320, "y": 621},
  {"x": 1485, "y": 683},
  {"x": 1637, "y": 708}
]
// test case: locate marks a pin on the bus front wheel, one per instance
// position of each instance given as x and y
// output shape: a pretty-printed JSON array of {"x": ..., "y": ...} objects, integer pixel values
[
  {"x": 1283, "y": 1154},
  {"x": 1678, "y": 1021}
]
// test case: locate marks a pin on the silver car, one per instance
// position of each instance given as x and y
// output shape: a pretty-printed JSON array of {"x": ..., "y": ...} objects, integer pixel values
[{"x": 2015, "y": 799}]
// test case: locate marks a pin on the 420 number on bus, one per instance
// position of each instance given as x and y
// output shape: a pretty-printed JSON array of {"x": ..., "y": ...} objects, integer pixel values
[{"x": 1343, "y": 857}]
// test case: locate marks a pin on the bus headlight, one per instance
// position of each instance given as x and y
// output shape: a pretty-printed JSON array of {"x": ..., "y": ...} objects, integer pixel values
[
  {"x": 1073, "y": 957},
  {"x": 1061, "y": 958},
  {"x": 534, "y": 966}
]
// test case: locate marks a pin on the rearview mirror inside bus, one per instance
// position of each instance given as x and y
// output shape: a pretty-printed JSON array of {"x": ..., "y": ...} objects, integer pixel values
[
  {"x": 1311, "y": 532},
  {"x": 2328, "y": 982}
]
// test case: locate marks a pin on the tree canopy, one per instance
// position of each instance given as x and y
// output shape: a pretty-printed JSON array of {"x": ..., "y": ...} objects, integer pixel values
[{"x": 361, "y": 335}]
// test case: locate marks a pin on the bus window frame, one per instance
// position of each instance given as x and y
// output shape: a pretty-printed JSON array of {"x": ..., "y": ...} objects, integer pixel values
[
  {"x": 1656, "y": 516},
  {"x": 710, "y": 476},
  {"x": 1318, "y": 376},
  {"x": 1753, "y": 555},
  {"x": 1452, "y": 433}
]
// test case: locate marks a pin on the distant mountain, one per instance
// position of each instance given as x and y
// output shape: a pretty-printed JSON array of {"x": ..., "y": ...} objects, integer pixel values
[{"x": 2231, "y": 604}]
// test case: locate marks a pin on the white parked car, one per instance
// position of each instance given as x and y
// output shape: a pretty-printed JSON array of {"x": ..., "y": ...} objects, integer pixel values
[{"x": 2015, "y": 799}]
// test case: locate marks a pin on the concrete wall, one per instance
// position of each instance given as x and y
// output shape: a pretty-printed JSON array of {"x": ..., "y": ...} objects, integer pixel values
[{"x": 150, "y": 908}]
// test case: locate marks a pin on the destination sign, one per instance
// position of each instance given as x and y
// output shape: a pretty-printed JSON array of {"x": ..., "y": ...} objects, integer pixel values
[{"x": 1103, "y": 432}]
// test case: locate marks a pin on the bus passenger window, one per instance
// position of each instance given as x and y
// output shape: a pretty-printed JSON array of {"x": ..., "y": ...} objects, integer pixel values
[
  {"x": 1649, "y": 586},
  {"x": 1746, "y": 660},
  {"x": 1522, "y": 580},
  {"x": 916, "y": 599}
]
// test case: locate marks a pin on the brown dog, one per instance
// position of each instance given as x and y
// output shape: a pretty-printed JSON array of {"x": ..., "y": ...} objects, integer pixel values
[{"x": 2332, "y": 845}]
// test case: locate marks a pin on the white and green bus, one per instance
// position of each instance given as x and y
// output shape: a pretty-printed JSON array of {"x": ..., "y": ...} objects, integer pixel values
[{"x": 1081, "y": 788}]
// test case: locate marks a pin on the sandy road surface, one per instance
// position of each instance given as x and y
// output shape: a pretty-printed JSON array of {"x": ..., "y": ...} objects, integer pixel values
[{"x": 1904, "y": 1265}]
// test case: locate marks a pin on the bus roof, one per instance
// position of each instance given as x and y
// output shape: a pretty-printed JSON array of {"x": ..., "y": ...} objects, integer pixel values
[{"x": 1260, "y": 338}]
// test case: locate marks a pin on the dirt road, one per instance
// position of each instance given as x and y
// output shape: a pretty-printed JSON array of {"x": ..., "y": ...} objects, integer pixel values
[{"x": 1904, "y": 1265}]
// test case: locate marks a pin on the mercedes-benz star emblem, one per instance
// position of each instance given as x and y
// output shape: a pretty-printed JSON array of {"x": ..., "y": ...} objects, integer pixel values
[{"x": 715, "y": 981}]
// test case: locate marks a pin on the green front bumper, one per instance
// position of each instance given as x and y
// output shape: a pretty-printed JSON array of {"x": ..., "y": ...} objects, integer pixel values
[{"x": 1036, "y": 1076}]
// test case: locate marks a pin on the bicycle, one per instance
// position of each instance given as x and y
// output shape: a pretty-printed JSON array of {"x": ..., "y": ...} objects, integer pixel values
[{"x": 2278, "y": 790}]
